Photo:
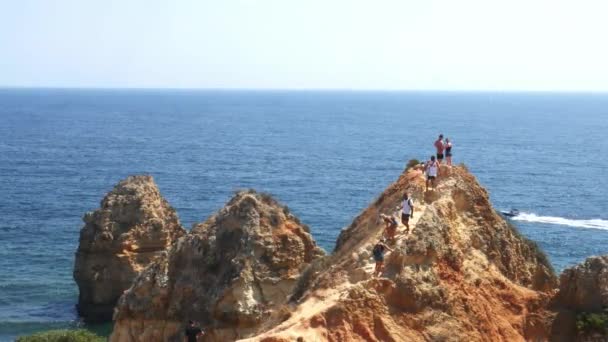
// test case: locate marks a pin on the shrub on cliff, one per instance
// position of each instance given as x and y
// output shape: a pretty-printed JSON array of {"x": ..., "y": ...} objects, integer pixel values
[
  {"x": 592, "y": 322},
  {"x": 79, "y": 335},
  {"x": 411, "y": 163}
]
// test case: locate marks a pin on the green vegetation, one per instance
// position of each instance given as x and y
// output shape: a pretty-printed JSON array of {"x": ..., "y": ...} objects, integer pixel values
[
  {"x": 79, "y": 335},
  {"x": 592, "y": 322},
  {"x": 412, "y": 163}
]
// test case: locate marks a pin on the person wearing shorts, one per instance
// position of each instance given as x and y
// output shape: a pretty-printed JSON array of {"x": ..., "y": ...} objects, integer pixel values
[
  {"x": 448, "y": 151},
  {"x": 378, "y": 252},
  {"x": 390, "y": 226},
  {"x": 407, "y": 211},
  {"x": 432, "y": 169},
  {"x": 440, "y": 147}
]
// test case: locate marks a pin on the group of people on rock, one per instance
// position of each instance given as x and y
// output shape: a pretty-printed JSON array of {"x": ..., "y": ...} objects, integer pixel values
[
  {"x": 431, "y": 167},
  {"x": 431, "y": 170},
  {"x": 391, "y": 224}
]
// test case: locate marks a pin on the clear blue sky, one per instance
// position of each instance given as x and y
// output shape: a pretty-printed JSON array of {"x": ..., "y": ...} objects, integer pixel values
[{"x": 423, "y": 44}]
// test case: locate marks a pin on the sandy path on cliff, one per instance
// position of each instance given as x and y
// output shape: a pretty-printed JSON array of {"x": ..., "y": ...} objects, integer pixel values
[{"x": 322, "y": 300}]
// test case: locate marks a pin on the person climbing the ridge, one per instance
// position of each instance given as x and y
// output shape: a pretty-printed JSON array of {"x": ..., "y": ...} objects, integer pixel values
[
  {"x": 193, "y": 332},
  {"x": 378, "y": 252},
  {"x": 448, "y": 151},
  {"x": 407, "y": 211},
  {"x": 431, "y": 168},
  {"x": 440, "y": 146},
  {"x": 391, "y": 225}
]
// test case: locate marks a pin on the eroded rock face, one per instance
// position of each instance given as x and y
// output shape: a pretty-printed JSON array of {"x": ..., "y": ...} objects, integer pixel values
[
  {"x": 232, "y": 273},
  {"x": 463, "y": 274},
  {"x": 585, "y": 286},
  {"x": 583, "y": 290},
  {"x": 133, "y": 225}
]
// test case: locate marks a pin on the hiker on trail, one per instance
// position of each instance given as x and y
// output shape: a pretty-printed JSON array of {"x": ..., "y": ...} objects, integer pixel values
[
  {"x": 440, "y": 146},
  {"x": 407, "y": 211},
  {"x": 431, "y": 168},
  {"x": 379, "y": 249},
  {"x": 448, "y": 151},
  {"x": 391, "y": 225},
  {"x": 193, "y": 333}
]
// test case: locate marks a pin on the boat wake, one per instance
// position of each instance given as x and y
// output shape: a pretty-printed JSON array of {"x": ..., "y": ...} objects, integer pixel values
[{"x": 593, "y": 223}]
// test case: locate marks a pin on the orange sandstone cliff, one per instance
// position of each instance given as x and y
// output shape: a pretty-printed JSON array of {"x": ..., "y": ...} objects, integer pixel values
[
  {"x": 252, "y": 272},
  {"x": 462, "y": 274}
]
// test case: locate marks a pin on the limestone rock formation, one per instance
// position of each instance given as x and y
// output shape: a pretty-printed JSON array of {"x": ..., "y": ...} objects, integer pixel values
[
  {"x": 583, "y": 290},
  {"x": 462, "y": 274},
  {"x": 232, "y": 273},
  {"x": 585, "y": 286},
  {"x": 133, "y": 225},
  {"x": 253, "y": 272}
]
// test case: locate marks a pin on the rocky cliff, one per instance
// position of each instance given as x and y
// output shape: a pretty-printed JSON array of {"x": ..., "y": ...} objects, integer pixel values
[
  {"x": 462, "y": 274},
  {"x": 582, "y": 301},
  {"x": 133, "y": 225},
  {"x": 232, "y": 273},
  {"x": 253, "y": 272}
]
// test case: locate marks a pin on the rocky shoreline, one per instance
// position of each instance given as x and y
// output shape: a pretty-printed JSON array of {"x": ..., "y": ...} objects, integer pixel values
[{"x": 252, "y": 271}]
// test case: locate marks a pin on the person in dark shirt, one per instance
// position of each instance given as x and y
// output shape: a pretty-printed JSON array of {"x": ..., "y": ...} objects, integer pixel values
[
  {"x": 193, "y": 332},
  {"x": 378, "y": 252}
]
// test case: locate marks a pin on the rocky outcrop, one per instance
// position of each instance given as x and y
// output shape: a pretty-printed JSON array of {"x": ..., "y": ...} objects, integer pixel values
[
  {"x": 253, "y": 272},
  {"x": 462, "y": 274},
  {"x": 585, "y": 286},
  {"x": 233, "y": 273},
  {"x": 133, "y": 225},
  {"x": 583, "y": 291}
]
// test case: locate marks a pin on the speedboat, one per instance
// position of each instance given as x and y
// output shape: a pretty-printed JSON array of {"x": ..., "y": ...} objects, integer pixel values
[{"x": 510, "y": 213}]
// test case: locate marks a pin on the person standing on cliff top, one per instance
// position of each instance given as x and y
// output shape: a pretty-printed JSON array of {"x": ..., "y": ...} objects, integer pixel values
[
  {"x": 193, "y": 333},
  {"x": 431, "y": 168},
  {"x": 440, "y": 146},
  {"x": 407, "y": 211},
  {"x": 448, "y": 151},
  {"x": 378, "y": 252}
]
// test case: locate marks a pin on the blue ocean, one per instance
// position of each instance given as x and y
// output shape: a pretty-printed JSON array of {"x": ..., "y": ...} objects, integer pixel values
[{"x": 326, "y": 155}]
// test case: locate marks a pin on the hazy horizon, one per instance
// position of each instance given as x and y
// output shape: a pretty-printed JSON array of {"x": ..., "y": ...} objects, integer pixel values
[{"x": 471, "y": 46}]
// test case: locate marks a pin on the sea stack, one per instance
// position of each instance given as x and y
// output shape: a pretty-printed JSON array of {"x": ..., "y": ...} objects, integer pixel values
[
  {"x": 133, "y": 225},
  {"x": 233, "y": 273}
]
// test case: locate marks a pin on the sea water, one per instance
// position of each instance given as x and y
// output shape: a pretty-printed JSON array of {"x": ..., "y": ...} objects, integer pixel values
[{"x": 326, "y": 155}]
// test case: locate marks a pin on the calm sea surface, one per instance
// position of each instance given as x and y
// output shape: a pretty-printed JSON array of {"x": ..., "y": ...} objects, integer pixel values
[{"x": 326, "y": 155}]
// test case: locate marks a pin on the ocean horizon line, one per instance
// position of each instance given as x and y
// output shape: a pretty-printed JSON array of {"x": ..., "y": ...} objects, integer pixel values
[{"x": 313, "y": 90}]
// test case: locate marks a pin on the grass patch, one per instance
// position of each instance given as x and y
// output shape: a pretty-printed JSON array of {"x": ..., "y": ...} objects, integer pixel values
[{"x": 79, "y": 335}]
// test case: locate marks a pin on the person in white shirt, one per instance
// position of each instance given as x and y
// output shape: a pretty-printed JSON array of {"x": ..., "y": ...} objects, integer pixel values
[
  {"x": 432, "y": 169},
  {"x": 407, "y": 211}
]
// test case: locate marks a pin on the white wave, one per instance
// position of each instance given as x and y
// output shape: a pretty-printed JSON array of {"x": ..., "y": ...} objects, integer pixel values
[{"x": 593, "y": 223}]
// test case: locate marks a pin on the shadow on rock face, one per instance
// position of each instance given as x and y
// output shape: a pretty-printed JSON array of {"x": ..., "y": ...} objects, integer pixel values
[{"x": 431, "y": 196}]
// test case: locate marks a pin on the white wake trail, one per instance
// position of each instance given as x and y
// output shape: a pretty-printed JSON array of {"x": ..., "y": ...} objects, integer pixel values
[{"x": 593, "y": 223}]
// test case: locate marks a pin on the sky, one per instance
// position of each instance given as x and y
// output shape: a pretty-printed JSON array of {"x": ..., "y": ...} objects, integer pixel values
[{"x": 329, "y": 44}]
